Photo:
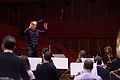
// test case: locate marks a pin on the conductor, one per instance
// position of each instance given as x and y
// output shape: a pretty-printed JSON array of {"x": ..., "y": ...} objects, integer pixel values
[{"x": 32, "y": 34}]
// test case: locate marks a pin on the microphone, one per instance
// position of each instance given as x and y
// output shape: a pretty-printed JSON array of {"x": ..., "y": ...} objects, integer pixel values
[{"x": 40, "y": 21}]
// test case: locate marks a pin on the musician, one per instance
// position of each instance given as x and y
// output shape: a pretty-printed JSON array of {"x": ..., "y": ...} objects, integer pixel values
[
  {"x": 115, "y": 64},
  {"x": 101, "y": 71},
  {"x": 115, "y": 75},
  {"x": 115, "y": 68},
  {"x": 11, "y": 66},
  {"x": 81, "y": 54},
  {"x": 107, "y": 56},
  {"x": 32, "y": 34},
  {"x": 87, "y": 74},
  {"x": 46, "y": 70}
]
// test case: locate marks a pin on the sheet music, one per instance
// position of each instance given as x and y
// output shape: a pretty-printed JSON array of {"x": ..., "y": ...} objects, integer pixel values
[
  {"x": 60, "y": 63},
  {"x": 78, "y": 67},
  {"x": 34, "y": 62}
]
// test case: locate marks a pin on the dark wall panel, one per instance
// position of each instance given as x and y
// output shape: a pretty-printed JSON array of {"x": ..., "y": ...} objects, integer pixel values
[{"x": 83, "y": 29}]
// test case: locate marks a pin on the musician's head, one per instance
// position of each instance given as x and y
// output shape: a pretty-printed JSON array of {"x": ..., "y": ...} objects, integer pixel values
[
  {"x": 33, "y": 25},
  {"x": 98, "y": 60},
  {"x": 82, "y": 54},
  {"x": 47, "y": 56},
  {"x": 88, "y": 64},
  {"x": 44, "y": 50},
  {"x": 9, "y": 43},
  {"x": 108, "y": 49}
]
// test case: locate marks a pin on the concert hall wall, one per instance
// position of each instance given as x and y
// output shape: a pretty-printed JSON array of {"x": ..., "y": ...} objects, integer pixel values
[{"x": 82, "y": 24}]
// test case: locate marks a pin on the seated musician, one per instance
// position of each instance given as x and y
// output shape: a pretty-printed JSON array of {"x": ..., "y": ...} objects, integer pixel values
[
  {"x": 115, "y": 75},
  {"x": 107, "y": 56},
  {"x": 81, "y": 54}
]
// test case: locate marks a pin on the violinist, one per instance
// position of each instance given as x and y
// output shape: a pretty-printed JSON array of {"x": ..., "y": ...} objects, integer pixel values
[
  {"x": 81, "y": 54},
  {"x": 107, "y": 56}
]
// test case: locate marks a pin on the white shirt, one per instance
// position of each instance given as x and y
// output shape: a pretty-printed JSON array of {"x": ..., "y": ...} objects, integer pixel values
[
  {"x": 87, "y": 75},
  {"x": 7, "y": 50}
]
